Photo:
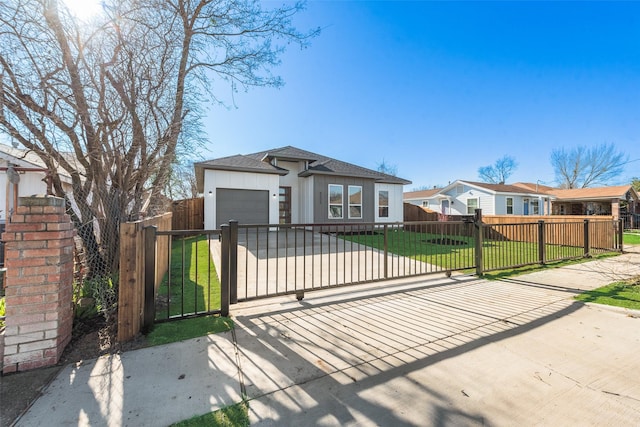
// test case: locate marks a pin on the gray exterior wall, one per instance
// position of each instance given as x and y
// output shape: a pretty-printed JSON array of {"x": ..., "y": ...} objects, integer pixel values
[{"x": 321, "y": 199}]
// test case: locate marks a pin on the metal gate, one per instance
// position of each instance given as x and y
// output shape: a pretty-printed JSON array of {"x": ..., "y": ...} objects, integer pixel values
[{"x": 211, "y": 269}]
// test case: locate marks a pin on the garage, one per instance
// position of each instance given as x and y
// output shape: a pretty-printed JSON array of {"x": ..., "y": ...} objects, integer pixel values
[{"x": 245, "y": 206}]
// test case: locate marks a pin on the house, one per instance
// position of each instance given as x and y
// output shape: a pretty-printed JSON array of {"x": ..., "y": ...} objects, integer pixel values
[
  {"x": 617, "y": 201},
  {"x": 464, "y": 197},
  {"x": 291, "y": 185},
  {"x": 22, "y": 173},
  {"x": 420, "y": 198}
]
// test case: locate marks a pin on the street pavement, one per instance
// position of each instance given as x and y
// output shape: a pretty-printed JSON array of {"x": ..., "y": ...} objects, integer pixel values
[{"x": 414, "y": 352}]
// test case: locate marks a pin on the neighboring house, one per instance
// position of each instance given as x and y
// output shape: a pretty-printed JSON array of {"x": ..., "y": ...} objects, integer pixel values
[
  {"x": 464, "y": 197},
  {"x": 290, "y": 185},
  {"x": 422, "y": 198},
  {"x": 22, "y": 173},
  {"x": 616, "y": 201}
]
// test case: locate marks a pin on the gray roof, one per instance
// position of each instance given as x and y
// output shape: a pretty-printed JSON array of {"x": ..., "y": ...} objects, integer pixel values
[
  {"x": 318, "y": 165},
  {"x": 27, "y": 158}
]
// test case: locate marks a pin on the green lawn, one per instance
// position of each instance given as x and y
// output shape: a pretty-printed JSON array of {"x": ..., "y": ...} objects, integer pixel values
[
  {"x": 193, "y": 280},
  {"x": 232, "y": 416},
  {"x": 180, "y": 330},
  {"x": 619, "y": 294},
  {"x": 631, "y": 238},
  {"x": 458, "y": 252}
]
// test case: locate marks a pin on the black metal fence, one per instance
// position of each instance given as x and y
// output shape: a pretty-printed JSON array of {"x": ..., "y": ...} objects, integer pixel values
[{"x": 211, "y": 269}]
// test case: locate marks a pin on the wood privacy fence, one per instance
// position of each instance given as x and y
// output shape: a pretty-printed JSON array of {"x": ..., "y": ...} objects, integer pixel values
[
  {"x": 131, "y": 298},
  {"x": 188, "y": 214},
  {"x": 564, "y": 230},
  {"x": 418, "y": 213}
]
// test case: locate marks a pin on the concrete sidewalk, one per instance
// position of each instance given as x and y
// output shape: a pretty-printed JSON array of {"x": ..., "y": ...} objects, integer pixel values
[{"x": 428, "y": 351}]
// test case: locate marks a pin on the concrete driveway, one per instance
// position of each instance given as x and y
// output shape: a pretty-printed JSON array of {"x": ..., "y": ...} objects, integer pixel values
[
  {"x": 275, "y": 262},
  {"x": 432, "y": 351}
]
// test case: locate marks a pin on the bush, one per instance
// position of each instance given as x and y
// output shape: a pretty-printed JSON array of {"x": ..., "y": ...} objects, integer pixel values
[
  {"x": 3, "y": 311},
  {"x": 98, "y": 295}
]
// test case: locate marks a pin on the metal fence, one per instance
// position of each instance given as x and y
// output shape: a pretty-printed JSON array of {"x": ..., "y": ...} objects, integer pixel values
[{"x": 211, "y": 269}]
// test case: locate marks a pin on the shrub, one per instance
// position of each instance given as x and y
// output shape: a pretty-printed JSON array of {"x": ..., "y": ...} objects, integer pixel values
[
  {"x": 3, "y": 311},
  {"x": 103, "y": 293}
]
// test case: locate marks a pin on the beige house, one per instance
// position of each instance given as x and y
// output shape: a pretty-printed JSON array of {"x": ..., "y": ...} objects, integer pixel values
[{"x": 616, "y": 201}]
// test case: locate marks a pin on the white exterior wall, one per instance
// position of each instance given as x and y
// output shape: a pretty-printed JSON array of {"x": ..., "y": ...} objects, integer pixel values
[
  {"x": 214, "y": 179},
  {"x": 30, "y": 183},
  {"x": 458, "y": 204},
  {"x": 396, "y": 209}
]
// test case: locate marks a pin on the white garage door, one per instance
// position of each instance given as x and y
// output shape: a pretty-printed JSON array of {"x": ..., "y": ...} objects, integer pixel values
[{"x": 246, "y": 206}]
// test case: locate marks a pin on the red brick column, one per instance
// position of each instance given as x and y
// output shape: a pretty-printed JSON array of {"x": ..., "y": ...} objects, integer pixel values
[{"x": 39, "y": 283}]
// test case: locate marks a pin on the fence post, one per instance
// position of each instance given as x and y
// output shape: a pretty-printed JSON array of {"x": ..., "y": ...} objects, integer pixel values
[
  {"x": 587, "y": 243},
  {"x": 224, "y": 274},
  {"x": 386, "y": 251},
  {"x": 233, "y": 261},
  {"x": 542, "y": 244},
  {"x": 478, "y": 235},
  {"x": 620, "y": 235},
  {"x": 149, "y": 278}
]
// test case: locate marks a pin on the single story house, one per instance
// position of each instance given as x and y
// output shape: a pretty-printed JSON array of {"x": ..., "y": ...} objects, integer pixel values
[
  {"x": 291, "y": 185},
  {"x": 420, "y": 198},
  {"x": 616, "y": 201},
  {"x": 23, "y": 173},
  {"x": 464, "y": 197}
]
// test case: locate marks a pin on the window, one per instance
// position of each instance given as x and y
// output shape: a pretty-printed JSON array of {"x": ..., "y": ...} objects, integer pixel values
[
  {"x": 285, "y": 205},
  {"x": 425, "y": 203},
  {"x": 459, "y": 189},
  {"x": 535, "y": 207},
  {"x": 383, "y": 204},
  {"x": 335, "y": 201},
  {"x": 355, "y": 201},
  {"x": 472, "y": 205},
  {"x": 509, "y": 205}
]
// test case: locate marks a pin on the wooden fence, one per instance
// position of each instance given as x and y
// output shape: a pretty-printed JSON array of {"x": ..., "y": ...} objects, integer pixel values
[
  {"x": 418, "y": 213},
  {"x": 132, "y": 272},
  {"x": 602, "y": 228},
  {"x": 188, "y": 214}
]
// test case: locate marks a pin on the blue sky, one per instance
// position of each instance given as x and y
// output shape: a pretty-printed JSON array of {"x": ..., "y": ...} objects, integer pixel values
[{"x": 439, "y": 89}]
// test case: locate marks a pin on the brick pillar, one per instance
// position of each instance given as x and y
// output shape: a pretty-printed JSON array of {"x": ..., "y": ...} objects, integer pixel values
[{"x": 39, "y": 283}]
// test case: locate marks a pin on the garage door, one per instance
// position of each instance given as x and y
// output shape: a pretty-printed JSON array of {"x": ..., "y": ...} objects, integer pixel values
[{"x": 246, "y": 206}]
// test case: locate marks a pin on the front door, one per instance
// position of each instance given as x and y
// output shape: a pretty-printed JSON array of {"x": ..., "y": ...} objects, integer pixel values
[
  {"x": 285, "y": 205},
  {"x": 526, "y": 207},
  {"x": 445, "y": 207}
]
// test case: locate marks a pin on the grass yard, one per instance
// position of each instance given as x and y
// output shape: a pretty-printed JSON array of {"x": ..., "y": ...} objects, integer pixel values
[
  {"x": 193, "y": 280},
  {"x": 232, "y": 416},
  {"x": 620, "y": 294},
  {"x": 180, "y": 330},
  {"x": 458, "y": 252},
  {"x": 630, "y": 238}
]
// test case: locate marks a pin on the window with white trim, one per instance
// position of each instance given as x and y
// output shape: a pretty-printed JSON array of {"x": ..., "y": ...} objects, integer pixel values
[
  {"x": 509, "y": 205},
  {"x": 459, "y": 189},
  {"x": 535, "y": 207},
  {"x": 472, "y": 205},
  {"x": 355, "y": 202},
  {"x": 425, "y": 203},
  {"x": 335, "y": 201},
  {"x": 383, "y": 204}
]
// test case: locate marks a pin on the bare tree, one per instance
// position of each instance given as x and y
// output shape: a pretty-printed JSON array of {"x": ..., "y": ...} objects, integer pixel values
[
  {"x": 583, "y": 167},
  {"x": 499, "y": 172},
  {"x": 386, "y": 168},
  {"x": 113, "y": 101},
  {"x": 182, "y": 182}
]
